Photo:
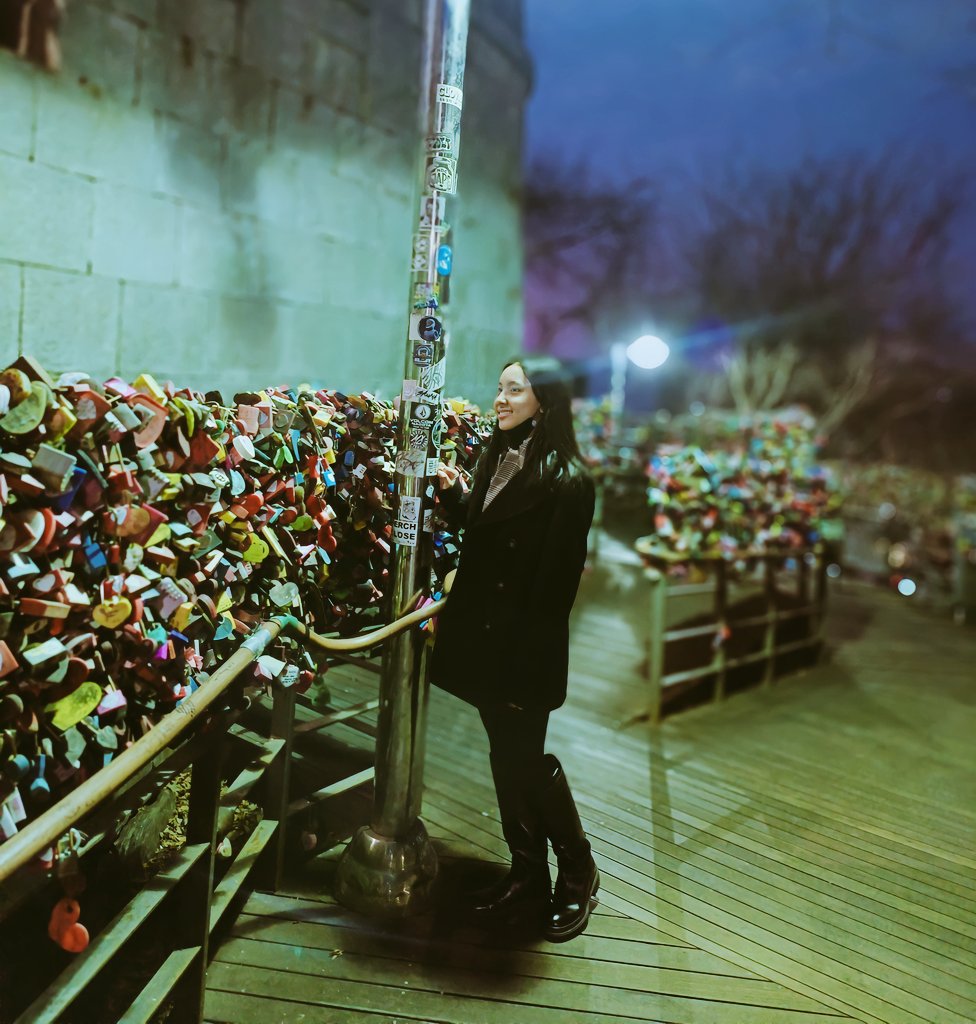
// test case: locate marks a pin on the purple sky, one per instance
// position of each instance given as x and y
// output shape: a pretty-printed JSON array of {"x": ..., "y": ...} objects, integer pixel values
[{"x": 668, "y": 88}]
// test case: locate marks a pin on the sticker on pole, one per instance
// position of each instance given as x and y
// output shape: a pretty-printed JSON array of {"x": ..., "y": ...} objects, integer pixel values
[
  {"x": 423, "y": 356},
  {"x": 432, "y": 377},
  {"x": 420, "y": 260},
  {"x": 431, "y": 212},
  {"x": 445, "y": 260},
  {"x": 450, "y": 94},
  {"x": 440, "y": 143},
  {"x": 424, "y": 327},
  {"x": 442, "y": 174},
  {"x": 407, "y": 521}
]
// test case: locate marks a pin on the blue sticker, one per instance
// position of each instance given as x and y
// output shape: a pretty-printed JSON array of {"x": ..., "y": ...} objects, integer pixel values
[{"x": 445, "y": 259}]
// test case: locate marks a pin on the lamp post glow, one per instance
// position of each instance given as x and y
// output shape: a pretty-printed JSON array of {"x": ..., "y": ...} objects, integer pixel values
[{"x": 648, "y": 352}]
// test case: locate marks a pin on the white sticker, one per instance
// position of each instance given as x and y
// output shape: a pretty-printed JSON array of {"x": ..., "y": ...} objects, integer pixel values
[
  {"x": 409, "y": 391},
  {"x": 420, "y": 260},
  {"x": 431, "y": 212},
  {"x": 411, "y": 463},
  {"x": 359, "y": 472},
  {"x": 418, "y": 439},
  {"x": 442, "y": 174},
  {"x": 422, "y": 412},
  {"x": 432, "y": 377},
  {"x": 430, "y": 397},
  {"x": 407, "y": 521},
  {"x": 450, "y": 94},
  {"x": 440, "y": 143},
  {"x": 428, "y": 520},
  {"x": 432, "y": 465}
]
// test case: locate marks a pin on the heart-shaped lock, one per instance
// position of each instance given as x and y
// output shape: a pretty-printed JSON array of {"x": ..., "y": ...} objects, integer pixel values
[
  {"x": 256, "y": 551},
  {"x": 113, "y": 612},
  {"x": 79, "y": 704}
]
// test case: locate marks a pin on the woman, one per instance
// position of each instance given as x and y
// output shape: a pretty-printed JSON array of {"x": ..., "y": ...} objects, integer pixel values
[{"x": 503, "y": 637}]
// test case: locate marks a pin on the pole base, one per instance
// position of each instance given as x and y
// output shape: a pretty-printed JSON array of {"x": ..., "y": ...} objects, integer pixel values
[{"x": 387, "y": 877}]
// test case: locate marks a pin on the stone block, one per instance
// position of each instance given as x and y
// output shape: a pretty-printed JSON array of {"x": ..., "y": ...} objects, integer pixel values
[
  {"x": 211, "y": 24},
  {"x": 142, "y": 12},
  {"x": 393, "y": 74},
  {"x": 347, "y": 349},
  {"x": 249, "y": 175},
  {"x": 304, "y": 122},
  {"x": 247, "y": 337},
  {"x": 95, "y": 137},
  {"x": 295, "y": 265},
  {"x": 189, "y": 162},
  {"x": 174, "y": 79},
  {"x": 47, "y": 215},
  {"x": 384, "y": 158},
  {"x": 275, "y": 39},
  {"x": 100, "y": 51},
  {"x": 336, "y": 75},
  {"x": 341, "y": 21},
  {"x": 241, "y": 98},
  {"x": 167, "y": 331},
  {"x": 10, "y": 299},
  {"x": 17, "y": 108},
  {"x": 220, "y": 253},
  {"x": 71, "y": 321},
  {"x": 134, "y": 236}
]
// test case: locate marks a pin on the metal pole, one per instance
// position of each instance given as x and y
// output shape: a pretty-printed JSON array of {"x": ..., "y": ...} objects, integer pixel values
[
  {"x": 618, "y": 390},
  {"x": 388, "y": 867}
]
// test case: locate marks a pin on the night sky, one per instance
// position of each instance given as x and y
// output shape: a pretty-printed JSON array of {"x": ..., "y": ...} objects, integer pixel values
[{"x": 672, "y": 88}]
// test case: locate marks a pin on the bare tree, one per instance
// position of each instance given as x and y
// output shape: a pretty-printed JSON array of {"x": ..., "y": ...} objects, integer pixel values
[
  {"x": 586, "y": 246},
  {"x": 819, "y": 271}
]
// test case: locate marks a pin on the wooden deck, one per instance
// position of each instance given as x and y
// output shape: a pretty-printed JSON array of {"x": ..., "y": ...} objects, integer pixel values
[{"x": 795, "y": 855}]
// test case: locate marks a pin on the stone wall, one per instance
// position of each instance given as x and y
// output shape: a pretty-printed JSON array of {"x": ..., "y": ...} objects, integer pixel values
[{"x": 219, "y": 192}]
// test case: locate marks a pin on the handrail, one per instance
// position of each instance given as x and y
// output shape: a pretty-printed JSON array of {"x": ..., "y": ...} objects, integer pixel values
[{"x": 57, "y": 820}]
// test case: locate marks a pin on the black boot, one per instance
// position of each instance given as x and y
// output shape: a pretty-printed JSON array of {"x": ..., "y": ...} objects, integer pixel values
[
  {"x": 525, "y": 890},
  {"x": 575, "y": 893}
]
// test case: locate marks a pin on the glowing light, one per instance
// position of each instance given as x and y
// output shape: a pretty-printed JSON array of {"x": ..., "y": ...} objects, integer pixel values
[
  {"x": 648, "y": 352},
  {"x": 833, "y": 571},
  {"x": 697, "y": 408},
  {"x": 906, "y": 587},
  {"x": 897, "y": 555}
]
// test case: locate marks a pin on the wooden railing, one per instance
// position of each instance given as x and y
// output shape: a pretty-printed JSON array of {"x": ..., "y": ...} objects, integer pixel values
[
  {"x": 212, "y": 714},
  {"x": 722, "y": 622}
]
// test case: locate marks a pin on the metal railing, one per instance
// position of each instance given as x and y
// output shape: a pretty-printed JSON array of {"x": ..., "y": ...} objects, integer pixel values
[
  {"x": 723, "y": 621},
  {"x": 212, "y": 711}
]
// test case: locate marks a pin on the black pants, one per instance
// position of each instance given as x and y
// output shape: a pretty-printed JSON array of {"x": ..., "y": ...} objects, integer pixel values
[{"x": 517, "y": 738}]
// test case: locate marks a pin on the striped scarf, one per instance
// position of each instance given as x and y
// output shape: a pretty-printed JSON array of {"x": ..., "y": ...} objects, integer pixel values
[{"x": 508, "y": 465}]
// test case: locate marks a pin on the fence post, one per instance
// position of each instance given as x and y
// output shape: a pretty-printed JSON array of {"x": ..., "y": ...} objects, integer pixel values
[
  {"x": 655, "y": 643},
  {"x": 279, "y": 778},
  {"x": 721, "y": 622},
  {"x": 769, "y": 636},
  {"x": 196, "y": 888}
]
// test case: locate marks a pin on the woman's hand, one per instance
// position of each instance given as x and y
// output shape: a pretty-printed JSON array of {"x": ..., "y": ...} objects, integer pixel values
[{"x": 447, "y": 476}]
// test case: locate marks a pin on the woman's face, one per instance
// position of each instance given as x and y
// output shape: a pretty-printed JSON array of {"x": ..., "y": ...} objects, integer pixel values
[{"x": 515, "y": 402}]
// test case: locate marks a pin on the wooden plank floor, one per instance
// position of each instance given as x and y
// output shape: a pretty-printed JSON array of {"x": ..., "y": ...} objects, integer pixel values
[{"x": 794, "y": 855}]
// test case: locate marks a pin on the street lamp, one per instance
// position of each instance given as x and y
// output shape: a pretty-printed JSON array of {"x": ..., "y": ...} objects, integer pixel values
[{"x": 648, "y": 352}]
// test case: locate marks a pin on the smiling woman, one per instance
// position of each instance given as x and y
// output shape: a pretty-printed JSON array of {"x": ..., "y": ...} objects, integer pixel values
[{"x": 503, "y": 638}]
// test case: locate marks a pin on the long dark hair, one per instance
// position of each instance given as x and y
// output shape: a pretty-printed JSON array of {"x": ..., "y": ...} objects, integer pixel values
[{"x": 553, "y": 453}]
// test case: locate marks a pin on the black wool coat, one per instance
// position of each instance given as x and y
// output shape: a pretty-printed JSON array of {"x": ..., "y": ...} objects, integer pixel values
[{"x": 503, "y": 636}]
